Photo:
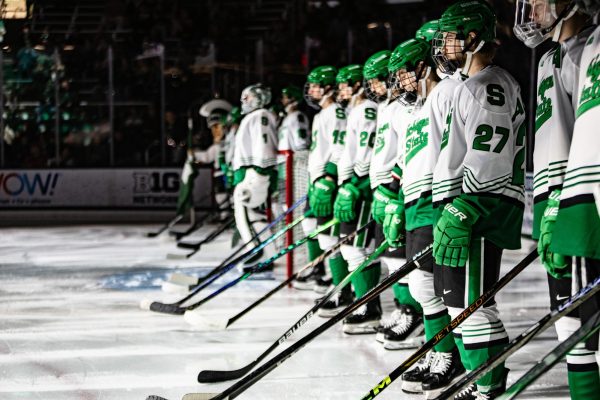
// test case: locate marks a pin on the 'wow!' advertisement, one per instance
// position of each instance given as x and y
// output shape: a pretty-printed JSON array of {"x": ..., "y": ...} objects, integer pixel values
[{"x": 139, "y": 188}]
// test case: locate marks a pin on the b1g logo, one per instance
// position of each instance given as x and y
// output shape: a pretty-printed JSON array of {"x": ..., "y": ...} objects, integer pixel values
[{"x": 156, "y": 182}]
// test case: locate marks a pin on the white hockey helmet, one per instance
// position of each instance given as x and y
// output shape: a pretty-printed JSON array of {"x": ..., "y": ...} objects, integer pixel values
[
  {"x": 538, "y": 20},
  {"x": 254, "y": 97}
]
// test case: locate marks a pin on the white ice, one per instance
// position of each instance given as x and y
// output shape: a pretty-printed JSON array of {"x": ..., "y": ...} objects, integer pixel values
[{"x": 71, "y": 327}]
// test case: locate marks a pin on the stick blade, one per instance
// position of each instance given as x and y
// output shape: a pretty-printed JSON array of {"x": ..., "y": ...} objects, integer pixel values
[
  {"x": 201, "y": 396},
  {"x": 205, "y": 323},
  {"x": 173, "y": 309},
  {"x": 186, "y": 245},
  {"x": 155, "y": 397},
  {"x": 212, "y": 376},
  {"x": 183, "y": 279}
]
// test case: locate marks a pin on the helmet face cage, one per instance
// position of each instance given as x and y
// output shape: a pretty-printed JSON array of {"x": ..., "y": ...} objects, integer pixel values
[
  {"x": 313, "y": 94},
  {"x": 376, "y": 89},
  {"x": 394, "y": 85},
  {"x": 534, "y": 21},
  {"x": 447, "y": 51}
]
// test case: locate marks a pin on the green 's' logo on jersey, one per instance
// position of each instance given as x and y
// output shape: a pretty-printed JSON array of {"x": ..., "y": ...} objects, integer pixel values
[
  {"x": 590, "y": 95},
  {"x": 416, "y": 138},
  {"x": 340, "y": 113},
  {"x": 379, "y": 140},
  {"x": 446, "y": 133},
  {"x": 313, "y": 143},
  {"x": 543, "y": 111}
]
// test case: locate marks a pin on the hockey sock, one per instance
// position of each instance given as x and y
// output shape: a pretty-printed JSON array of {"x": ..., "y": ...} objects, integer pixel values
[
  {"x": 367, "y": 279},
  {"x": 435, "y": 323},
  {"x": 338, "y": 267},
  {"x": 461, "y": 349},
  {"x": 402, "y": 294},
  {"x": 314, "y": 250},
  {"x": 584, "y": 381},
  {"x": 493, "y": 379}
]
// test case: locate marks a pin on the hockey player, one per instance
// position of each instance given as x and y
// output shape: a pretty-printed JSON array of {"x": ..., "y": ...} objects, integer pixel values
[
  {"x": 293, "y": 131},
  {"x": 558, "y": 74},
  {"x": 353, "y": 202},
  {"x": 414, "y": 209},
  {"x": 477, "y": 189},
  {"x": 232, "y": 123},
  {"x": 254, "y": 160},
  {"x": 328, "y": 130}
]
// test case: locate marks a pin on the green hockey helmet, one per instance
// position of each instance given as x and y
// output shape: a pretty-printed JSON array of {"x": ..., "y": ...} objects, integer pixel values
[
  {"x": 319, "y": 82},
  {"x": 455, "y": 25},
  {"x": 375, "y": 73},
  {"x": 410, "y": 64},
  {"x": 349, "y": 80},
  {"x": 428, "y": 30},
  {"x": 294, "y": 93}
]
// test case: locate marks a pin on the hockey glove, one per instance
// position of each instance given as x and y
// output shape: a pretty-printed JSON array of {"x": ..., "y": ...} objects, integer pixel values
[
  {"x": 394, "y": 223},
  {"x": 452, "y": 234},
  {"x": 321, "y": 197},
  {"x": 381, "y": 198},
  {"x": 344, "y": 207},
  {"x": 555, "y": 264}
]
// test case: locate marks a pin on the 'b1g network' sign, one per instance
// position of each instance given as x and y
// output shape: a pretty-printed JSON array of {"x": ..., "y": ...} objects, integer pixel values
[{"x": 98, "y": 188}]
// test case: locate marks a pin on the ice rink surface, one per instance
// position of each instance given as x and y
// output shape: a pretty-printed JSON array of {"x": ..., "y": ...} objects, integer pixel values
[{"x": 71, "y": 326}]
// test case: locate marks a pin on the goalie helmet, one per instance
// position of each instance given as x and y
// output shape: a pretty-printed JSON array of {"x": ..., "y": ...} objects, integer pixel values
[
  {"x": 410, "y": 65},
  {"x": 538, "y": 20},
  {"x": 428, "y": 30},
  {"x": 375, "y": 73},
  {"x": 319, "y": 84},
  {"x": 349, "y": 82},
  {"x": 453, "y": 46},
  {"x": 254, "y": 97}
]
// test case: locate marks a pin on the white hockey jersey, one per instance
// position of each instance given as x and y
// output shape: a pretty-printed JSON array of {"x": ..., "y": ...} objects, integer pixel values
[
  {"x": 391, "y": 116},
  {"x": 577, "y": 229},
  {"x": 255, "y": 141},
  {"x": 422, "y": 142},
  {"x": 293, "y": 132},
  {"x": 328, "y": 138},
  {"x": 483, "y": 154},
  {"x": 558, "y": 72},
  {"x": 359, "y": 141}
]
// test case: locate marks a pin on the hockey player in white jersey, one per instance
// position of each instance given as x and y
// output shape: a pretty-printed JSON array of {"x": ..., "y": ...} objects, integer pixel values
[
  {"x": 477, "y": 189},
  {"x": 557, "y": 97},
  {"x": 353, "y": 202},
  {"x": 328, "y": 129},
  {"x": 414, "y": 209},
  {"x": 254, "y": 159},
  {"x": 294, "y": 129}
]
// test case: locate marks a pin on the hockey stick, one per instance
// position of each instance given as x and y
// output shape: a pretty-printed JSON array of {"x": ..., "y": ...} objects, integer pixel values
[
  {"x": 250, "y": 252},
  {"x": 207, "y": 376},
  {"x": 175, "y": 308},
  {"x": 166, "y": 226},
  {"x": 238, "y": 388},
  {"x": 202, "y": 322},
  {"x": 552, "y": 358},
  {"x": 196, "y": 246},
  {"x": 262, "y": 265},
  {"x": 524, "y": 338},
  {"x": 445, "y": 331}
]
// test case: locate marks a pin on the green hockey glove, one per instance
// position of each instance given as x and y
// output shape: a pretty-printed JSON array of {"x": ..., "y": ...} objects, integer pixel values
[
  {"x": 344, "y": 207},
  {"x": 394, "y": 223},
  {"x": 239, "y": 175},
  {"x": 381, "y": 198},
  {"x": 555, "y": 264},
  {"x": 321, "y": 196},
  {"x": 452, "y": 234}
]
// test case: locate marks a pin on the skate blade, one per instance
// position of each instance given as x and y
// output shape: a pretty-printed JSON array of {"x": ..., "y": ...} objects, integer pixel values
[
  {"x": 432, "y": 394},
  {"x": 410, "y": 343},
  {"x": 203, "y": 322},
  {"x": 412, "y": 387}
]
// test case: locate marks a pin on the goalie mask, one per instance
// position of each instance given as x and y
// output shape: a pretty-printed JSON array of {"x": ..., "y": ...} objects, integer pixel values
[
  {"x": 538, "y": 20},
  {"x": 319, "y": 85},
  {"x": 349, "y": 83},
  {"x": 254, "y": 97},
  {"x": 464, "y": 28},
  {"x": 410, "y": 64},
  {"x": 375, "y": 74}
]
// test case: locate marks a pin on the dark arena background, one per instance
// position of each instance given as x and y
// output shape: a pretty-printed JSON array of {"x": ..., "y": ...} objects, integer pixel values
[{"x": 137, "y": 263}]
